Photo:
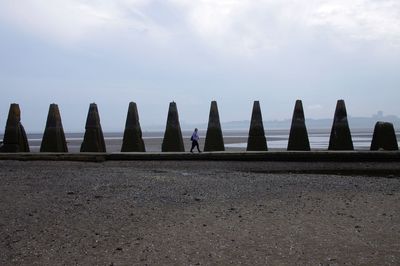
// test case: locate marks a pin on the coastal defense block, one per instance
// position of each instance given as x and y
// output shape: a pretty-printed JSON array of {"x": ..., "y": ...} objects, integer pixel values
[
  {"x": 173, "y": 141},
  {"x": 132, "y": 141},
  {"x": 384, "y": 137},
  {"x": 214, "y": 139},
  {"x": 256, "y": 140},
  {"x": 93, "y": 140},
  {"x": 15, "y": 139},
  {"x": 298, "y": 137},
  {"x": 340, "y": 138},
  {"x": 54, "y": 138}
]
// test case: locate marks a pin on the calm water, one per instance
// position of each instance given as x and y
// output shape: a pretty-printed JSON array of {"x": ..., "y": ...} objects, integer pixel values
[{"x": 235, "y": 140}]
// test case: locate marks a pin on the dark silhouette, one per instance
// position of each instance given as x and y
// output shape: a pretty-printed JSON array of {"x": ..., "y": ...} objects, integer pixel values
[
  {"x": 384, "y": 137},
  {"x": 173, "y": 141},
  {"x": 298, "y": 137},
  {"x": 214, "y": 139},
  {"x": 340, "y": 138},
  {"x": 93, "y": 140},
  {"x": 15, "y": 139},
  {"x": 132, "y": 141},
  {"x": 54, "y": 138},
  {"x": 256, "y": 140}
]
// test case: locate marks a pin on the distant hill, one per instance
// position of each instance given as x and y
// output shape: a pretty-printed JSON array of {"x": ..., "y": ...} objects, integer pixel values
[{"x": 354, "y": 122}]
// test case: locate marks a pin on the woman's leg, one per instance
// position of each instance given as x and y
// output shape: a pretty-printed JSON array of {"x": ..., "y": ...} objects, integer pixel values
[{"x": 193, "y": 145}]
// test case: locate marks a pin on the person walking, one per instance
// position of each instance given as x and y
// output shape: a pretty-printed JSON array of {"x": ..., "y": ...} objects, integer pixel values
[{"x": 195, "y": 140}]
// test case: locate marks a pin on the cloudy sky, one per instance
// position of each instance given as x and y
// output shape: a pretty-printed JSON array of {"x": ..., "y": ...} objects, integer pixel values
[{"x": 74, "y": 52}]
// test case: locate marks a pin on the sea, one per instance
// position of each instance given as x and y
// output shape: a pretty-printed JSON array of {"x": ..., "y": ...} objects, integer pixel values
[{"x": 234, "y": 140}]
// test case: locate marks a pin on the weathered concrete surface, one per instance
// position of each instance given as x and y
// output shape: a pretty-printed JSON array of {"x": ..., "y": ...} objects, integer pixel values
[
  {"x": 298, "y": 137},
  {"x": 15, "y": 139},
  {"x": 93, "y": 140},
  {"x": 173, "y": 141},
  {"x": 214, "y": 139},
  {"x": 256, "y": 140},
  {"x": 340, "y": 138},
  {"x": 132, "y": 141},
  {"x": 54, "y": 138},
  {"x": 283, "y": 156},
  {"x": 384, "y": 137},
  {"x": 188, "y": 213}
]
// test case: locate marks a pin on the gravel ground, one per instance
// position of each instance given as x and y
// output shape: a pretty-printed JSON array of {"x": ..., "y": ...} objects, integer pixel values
[{"x": 198, "y": 213}]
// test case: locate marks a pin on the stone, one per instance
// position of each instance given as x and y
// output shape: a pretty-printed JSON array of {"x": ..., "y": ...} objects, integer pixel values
[
  {"x": 173, "y": 141},
  {"x": 340, "y": 138},
  {"x": 384, "y": 137},
  {"x": 298, "y": 137},
  {"x": 132, "y": 141},
  {"x": 256, "y": 140},
  {"x": 93, "y": 140},
  {"x": 214, "y": 139},
  {"x": 15, "y": 139},
  {"x": 54, "y": 138}
]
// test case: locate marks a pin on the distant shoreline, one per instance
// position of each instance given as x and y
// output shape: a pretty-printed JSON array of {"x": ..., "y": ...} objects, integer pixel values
[
  {"x": 355, "y": 123},
  {"x": 234, "y": 140}
]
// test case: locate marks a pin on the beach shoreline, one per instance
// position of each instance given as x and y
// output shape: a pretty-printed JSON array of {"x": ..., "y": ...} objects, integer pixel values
[
  {"x": 196, "y": 213},
  {"x": 234, "y": 140}
]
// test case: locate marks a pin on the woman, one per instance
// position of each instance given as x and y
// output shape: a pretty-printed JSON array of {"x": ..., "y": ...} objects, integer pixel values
[{"x": 195, "y": 140}]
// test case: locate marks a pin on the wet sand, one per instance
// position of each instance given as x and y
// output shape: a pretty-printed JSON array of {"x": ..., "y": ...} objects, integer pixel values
[
  {"x": 235, "y": 140},
  {"x": 197, "y": 213},
  {"x": 151, "y": 144}
]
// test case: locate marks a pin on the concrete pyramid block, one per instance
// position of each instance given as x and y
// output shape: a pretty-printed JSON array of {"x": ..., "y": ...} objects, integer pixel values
[
  {"x": 384, "y": 137},
  {"x": 93, "y": 140},
  {"x": 214, "y": 139},
  {"x": 173, "y": 141},
  {"x": 15, "y": 139},
  {"x": 298, "y": 137},
  {"x": 54, "y": 138},
  {"x": 132, "y": 141},
  {"x": 340, "y": 138},
  {"x": 256, "y": 140}
]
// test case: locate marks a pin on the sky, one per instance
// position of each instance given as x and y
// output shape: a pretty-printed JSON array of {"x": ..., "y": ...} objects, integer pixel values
[{"x": 152, "y": 52}]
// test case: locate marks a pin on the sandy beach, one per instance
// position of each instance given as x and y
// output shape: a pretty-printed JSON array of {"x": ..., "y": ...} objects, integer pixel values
[{"x": 198, "y": 213}]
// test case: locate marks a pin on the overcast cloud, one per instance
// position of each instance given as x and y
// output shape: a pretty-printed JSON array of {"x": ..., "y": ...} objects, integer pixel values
[{"x": 74, "y": 52}]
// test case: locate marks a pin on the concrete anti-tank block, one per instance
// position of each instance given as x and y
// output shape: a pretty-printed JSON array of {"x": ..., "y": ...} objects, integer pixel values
[
  {"x": 340, "y": 138},
  {"x": 214, "y": 139},
  {"x": 54, "y": 138},
  {"x": 173, "y": 141},
  {"x": 256, "y": 140},
  {"x": 132, "y": 141},
  {"x": 15, "y": 139},
  {"x": 93, "y": 140},
  {"x": 384, "y": 137},
  {"x": 298, "y": 137}
]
